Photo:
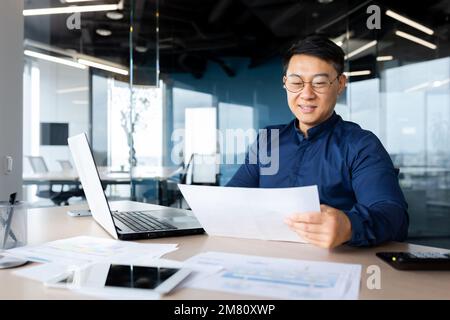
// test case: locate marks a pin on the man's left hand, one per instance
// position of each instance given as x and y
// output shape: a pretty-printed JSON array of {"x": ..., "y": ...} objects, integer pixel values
[{"x": 327, "y": 229}]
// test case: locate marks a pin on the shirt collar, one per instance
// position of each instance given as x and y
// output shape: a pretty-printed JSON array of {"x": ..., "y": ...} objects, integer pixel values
[{"x": 317, "y": 130}]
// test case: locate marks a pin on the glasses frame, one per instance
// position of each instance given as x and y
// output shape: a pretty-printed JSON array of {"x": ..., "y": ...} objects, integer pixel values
[{"x": 330, "y": 82}]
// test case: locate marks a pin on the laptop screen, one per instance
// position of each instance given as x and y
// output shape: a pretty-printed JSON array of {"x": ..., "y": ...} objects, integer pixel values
[{"x": 90, "y": 180}]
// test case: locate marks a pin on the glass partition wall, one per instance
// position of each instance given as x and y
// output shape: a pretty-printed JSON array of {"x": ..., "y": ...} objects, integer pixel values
[
  {"x": 397, "y": 64},
  {"x": 399, "y": 71},
  {"x": 89, "y": 67},
  {"x": 182, "y": 75}
]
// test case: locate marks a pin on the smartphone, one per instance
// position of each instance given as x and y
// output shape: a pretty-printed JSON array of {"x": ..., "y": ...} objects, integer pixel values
[
  {"x": 122, "y": 277},
  {"x": 79, "y": 213}
]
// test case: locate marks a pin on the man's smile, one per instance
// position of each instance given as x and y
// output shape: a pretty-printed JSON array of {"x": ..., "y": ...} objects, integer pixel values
[{"x": 307, "y": 108}]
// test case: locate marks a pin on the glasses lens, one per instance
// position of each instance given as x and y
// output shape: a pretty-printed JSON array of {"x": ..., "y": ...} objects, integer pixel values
[
  {"x": 294, "y": 83},
  {"x": 320, "y": 84}
]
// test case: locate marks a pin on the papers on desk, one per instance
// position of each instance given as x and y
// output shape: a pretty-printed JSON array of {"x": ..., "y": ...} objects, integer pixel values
[
  {"x": 82, "y": 250},
  {"x": 278, "y": 278},
  {"x": 256, "y": 213},
  {"x": 62, "y": 255}
]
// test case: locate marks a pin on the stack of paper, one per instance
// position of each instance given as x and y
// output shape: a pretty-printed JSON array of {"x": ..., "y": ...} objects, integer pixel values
[{"x": 59, "y": 255}]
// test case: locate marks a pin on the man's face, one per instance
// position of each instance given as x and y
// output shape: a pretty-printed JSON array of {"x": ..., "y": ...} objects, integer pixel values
[{"x": 312, "y": 106}]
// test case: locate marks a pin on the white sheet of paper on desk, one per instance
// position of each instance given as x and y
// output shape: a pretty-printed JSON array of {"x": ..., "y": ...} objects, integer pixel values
[
  {"x": 278, "y": 278},
  {"x": 41, "y": 272},
  {"x": 256, "y": 213},
  {"x": 84, "y": 249}
]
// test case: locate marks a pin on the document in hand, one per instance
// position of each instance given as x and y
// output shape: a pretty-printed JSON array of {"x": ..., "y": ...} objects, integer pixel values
[{"x": 255, "y": 213}]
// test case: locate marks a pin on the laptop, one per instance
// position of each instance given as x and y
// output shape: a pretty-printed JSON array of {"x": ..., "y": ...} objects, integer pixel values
[{"x": 129, "y": 225}]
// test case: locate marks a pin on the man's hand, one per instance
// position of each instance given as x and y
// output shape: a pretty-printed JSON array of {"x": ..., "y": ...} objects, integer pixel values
[{"x": 327, "y": 229}]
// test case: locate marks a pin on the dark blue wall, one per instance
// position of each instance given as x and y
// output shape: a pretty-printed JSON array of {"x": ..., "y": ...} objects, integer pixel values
[{"x": 260, "y": 88}]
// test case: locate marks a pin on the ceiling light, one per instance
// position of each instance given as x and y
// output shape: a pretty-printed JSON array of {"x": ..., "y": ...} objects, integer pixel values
[
  {"x": 325, "y": 1},
  {"x": 416, "y": 39},
  {"x": 141, "y": 49},
  {"x": 385, "y": 58},
  {"x": 71, "y": 9},
  {"x": 418, "y": 87},
  {"x": 103, "y": 66},
  {"x": 439, "y": 83},
  {"x": 340, "y": 39},
  {"x": 361, "y": 49},
  {"x": 103, "y": 32},
  {"x": 80, "y": 102},
  {"x": 114, "y": 15},
  {"x": 409, "y": 22},
  {"x": 357, "y": 73},
  {"x": 428, "y": 84},
  {"x": 54, "y": 59}
]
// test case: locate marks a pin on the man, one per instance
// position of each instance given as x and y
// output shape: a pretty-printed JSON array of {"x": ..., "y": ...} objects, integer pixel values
[{"x": 362, "y": 203}]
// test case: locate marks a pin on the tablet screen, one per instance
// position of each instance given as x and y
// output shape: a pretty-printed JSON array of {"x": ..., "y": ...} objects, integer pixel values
[{"x": 128, "y": 276}]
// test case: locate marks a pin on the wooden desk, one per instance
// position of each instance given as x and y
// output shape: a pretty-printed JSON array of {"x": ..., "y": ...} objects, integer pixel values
[{"x": 53, "y": 223}]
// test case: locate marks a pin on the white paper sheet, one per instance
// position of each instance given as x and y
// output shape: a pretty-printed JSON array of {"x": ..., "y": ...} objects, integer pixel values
[
  {"x": 278, "y": 278},
  {"x": 81, "y": 250},
  {"x": 256, "y": 213},
  {"x": 41, "y": 272}
]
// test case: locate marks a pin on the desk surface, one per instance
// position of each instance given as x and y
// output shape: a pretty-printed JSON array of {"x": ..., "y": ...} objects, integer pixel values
[{"x": 53, "y": 223}]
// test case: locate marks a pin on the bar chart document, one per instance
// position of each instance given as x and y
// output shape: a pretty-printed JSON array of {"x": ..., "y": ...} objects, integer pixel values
[{"x": 278, "y": 278}]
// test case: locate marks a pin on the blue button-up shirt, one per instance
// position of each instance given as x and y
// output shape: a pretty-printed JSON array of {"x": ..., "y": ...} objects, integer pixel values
[{"x": 351, "y": 168}]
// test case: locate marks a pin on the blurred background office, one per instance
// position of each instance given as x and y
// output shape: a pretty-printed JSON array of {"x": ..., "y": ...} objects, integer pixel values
[{"x": 132, "y": 73}]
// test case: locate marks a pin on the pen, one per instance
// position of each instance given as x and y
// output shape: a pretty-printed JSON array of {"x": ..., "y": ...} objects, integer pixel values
[
  {"x": 12, "y": 200},
  {"x": 3, "y": 222}
]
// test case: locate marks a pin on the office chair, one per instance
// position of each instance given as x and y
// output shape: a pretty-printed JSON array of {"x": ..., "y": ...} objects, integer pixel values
[
  {"x": 66, "y": 165},
  {"x": 201, "y": 169},
  {"x": 76, "y": 191},
  {"x": 46, "y": 191}
]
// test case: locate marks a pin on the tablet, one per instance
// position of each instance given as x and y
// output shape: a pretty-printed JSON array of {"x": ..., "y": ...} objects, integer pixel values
[{"x": 120, "y": 276}]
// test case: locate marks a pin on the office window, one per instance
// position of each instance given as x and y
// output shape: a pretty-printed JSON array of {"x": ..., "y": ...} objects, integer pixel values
[
  {"x": 56, "y": 105},
  {"x": 146, "y": 119},
  {"x": 182, "y": 100},
  {"x": 200, "y": 132}
]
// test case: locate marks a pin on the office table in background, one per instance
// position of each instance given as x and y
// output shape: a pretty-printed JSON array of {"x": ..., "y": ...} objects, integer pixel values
[
  {"x": 108, "y": 176},
  {"x": 48, "y": 224}
]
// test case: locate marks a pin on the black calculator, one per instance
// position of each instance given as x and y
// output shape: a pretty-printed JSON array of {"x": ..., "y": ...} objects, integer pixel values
[{"x": 416, "y": 260}]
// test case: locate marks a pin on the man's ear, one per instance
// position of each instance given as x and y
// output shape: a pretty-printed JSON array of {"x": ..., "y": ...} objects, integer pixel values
[{"x": 342, "y": 83}]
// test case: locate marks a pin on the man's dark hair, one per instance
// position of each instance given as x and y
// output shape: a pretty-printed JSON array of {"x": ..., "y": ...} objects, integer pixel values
[{"x": 319, "y": 47}]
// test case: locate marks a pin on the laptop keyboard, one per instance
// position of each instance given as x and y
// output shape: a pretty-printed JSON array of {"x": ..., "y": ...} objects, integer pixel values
[{"x": 139, "y": 221}]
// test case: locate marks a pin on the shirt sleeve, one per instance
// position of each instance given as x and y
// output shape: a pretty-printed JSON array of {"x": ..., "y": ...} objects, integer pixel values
[
  {"x": 380, "y": 213},
  {"x": 247, "y": 176}
]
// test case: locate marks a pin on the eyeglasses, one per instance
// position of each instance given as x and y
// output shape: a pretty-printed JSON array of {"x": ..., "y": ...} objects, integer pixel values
[{"x": 320, "y": 84}]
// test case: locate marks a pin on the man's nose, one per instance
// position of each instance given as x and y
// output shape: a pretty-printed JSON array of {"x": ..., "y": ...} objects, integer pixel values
[{"x": 307, "y": 93}]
